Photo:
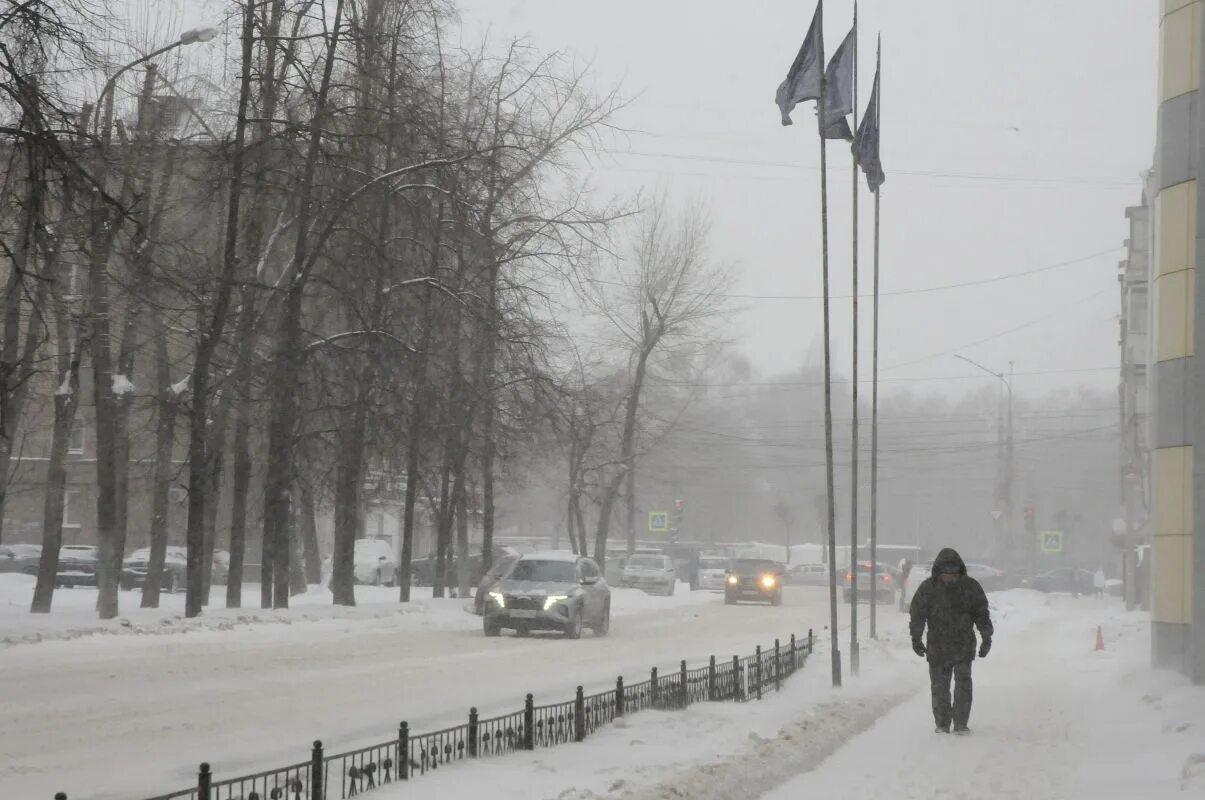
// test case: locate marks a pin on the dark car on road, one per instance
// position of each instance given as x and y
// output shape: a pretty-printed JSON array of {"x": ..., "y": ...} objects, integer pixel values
[
  {"x": 550, "y": 592},
  {"x": 886, "y": 583},
  {"x": 20, "y": 558},
  {"x": 175, "y": 569},
  {"x": 754, "y": 579},
  {"x": 77, "y": 566}
]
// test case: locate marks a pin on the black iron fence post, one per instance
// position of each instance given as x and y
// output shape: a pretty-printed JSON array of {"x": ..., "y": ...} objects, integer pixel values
[
  {"x": 403, "y": 751},
  {"x": 579, "y": 716},
  {"x": 619, "y": 696},
  {"x": 737, "y": 688},
  {"x": 473, "y": 737},
  {"x": 777, "y": 667},
  {"x": 794, "y": 663},
  {"x": 204, "y": 780},
  {"x": 653, "y": 687},
  {"x": 529, "y": 723},
  {"x": 757, "y": 676},
  {"x": 685, "y": 693},
  {"x": 316, "y": 789},
  {"x": 711, "y": 680},
  {"x": 811, "y": 642}
]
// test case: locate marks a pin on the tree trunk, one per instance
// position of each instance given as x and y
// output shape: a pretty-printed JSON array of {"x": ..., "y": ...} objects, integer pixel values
[
  {"x": 238, "y": 507},
  {"x": 412, "y": 464},
  {"x": 309, "y": 537},
  {"x": 347, "y": 515},
  {"x": 610, "y": 494},
  {"x": 443, "y": 533},
  {"x": 211, "y": 333},
  {"x": 630, "y": 522},
  {"x": 165, "y": 438},
  {"x": 56, "y": 483},
  {"x": 296, "y": 552},
  {"x": 463, "y": 567}
]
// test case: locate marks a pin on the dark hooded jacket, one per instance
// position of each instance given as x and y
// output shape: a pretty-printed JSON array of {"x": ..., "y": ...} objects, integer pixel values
[{"x": 951, "y": 612}]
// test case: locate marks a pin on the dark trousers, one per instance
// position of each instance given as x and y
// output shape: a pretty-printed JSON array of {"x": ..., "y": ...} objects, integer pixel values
[{"x": 939, "y": 682}]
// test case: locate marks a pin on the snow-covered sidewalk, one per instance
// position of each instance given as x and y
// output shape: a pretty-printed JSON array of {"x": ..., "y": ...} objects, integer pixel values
[{"x": 1053, "y": 719}]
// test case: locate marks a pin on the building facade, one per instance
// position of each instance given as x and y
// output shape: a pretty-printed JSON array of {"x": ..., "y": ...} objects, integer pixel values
[{"x": 1177, "y": 467}]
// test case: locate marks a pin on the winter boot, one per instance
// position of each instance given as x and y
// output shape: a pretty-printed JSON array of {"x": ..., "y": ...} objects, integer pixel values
[{"x": 962, "y": 730}]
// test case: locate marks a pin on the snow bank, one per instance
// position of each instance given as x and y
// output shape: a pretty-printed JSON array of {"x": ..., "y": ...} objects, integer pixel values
[{"x": 74, "y": 612}]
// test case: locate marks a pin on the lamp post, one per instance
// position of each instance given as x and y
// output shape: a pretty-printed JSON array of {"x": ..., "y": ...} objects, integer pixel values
[
  {"x": 191, "y": 36},
  {"x": 1010, "y": 453}
]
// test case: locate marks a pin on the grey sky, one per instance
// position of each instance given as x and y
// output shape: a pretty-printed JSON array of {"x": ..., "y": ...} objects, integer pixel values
[
  {"x": 1062, "y": 93},
  {"x": 1013, "y": 139}
]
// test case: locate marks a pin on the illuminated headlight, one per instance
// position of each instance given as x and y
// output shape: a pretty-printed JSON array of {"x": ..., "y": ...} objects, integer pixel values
[
  {"x": 733, "y": 580},
  {"x": 498, "y": 598},
  {"x": 768, "y": 581},
  {"x": 553, "y": 599}
]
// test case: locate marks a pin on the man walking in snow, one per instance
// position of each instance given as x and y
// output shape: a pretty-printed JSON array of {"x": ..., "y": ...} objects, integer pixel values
[{"x": 951, "y": 605}]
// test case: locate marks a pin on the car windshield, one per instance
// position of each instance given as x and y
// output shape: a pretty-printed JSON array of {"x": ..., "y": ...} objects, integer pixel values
[
  {"x": 501, "y": 568},
  {"x": 544, "y": 571},
  {"x": 647, "y": 562},
  {"x": 746, "y": 565}
]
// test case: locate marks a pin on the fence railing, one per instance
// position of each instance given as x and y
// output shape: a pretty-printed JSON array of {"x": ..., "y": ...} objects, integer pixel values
[{"x": 407, "y": 756}]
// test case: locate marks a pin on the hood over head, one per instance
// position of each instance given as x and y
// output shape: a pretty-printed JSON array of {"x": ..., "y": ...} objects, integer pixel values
[{"x": 946, "y": 558}]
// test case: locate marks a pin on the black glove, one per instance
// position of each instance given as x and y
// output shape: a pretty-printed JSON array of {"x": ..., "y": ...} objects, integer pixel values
[
  {"x": 918, "y": 647},
  {"x": 985, "y": 648}
]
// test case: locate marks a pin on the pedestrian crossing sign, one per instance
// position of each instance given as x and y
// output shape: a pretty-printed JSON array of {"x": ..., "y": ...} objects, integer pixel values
[
  {"x": 658, "y": 521},
  {"x": 1051, "y": 541}
]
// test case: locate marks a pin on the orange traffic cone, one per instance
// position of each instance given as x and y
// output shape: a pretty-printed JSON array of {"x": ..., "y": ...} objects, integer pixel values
[{"x": 1100, "y": 639}]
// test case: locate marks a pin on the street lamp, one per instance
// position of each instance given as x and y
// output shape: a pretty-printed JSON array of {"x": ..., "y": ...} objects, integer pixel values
[
  {"x": 1008, "y": 481},
  {"x": 191, "y": 36}
]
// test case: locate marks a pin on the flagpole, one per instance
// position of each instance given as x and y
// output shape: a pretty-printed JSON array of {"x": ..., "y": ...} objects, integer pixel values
[
  {"x": 828, "y": 383},
  {"x": 874, "y": 390},
  {"x": 854, "y": 653}
]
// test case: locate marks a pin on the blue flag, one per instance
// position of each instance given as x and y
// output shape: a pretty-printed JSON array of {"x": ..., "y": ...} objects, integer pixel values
[{"x": 804, "y": 77}]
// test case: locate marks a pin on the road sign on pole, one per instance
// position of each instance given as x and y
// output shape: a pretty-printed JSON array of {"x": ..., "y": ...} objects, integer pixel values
[
  {"x": 658, "y": 521},
  {"x": 1051, "y": 541}
]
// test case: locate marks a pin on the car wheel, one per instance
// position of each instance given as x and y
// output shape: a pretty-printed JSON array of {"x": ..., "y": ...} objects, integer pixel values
[
  {"x": 492, "y": 629},
  {"x": 672, "y": 587},
  {"x": 573, "y": 628},
  {"x": 604, "y": 624},
  {"x": 522, "y": 630},
  {"x": 729, "y": 600}
]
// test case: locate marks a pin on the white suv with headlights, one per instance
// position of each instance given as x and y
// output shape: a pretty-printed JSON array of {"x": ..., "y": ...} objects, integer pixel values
[{"x": 550, "y": 592}]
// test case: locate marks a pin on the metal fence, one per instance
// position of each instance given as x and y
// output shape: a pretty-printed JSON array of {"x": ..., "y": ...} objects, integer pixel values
[{"x": 406, "y": 757}]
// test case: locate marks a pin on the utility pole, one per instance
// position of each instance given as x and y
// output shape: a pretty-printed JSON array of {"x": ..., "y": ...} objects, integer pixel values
[{"x": 1006, "y": 532}]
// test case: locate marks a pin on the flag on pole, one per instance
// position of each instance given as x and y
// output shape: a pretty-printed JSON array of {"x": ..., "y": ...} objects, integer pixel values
[
  {"x": 866, "y": 143},
  {"x": 804, "y": 77},
  {"x": 839, "y": 89}
]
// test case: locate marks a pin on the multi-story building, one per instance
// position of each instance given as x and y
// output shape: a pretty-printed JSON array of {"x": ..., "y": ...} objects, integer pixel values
[
  {"x": 1133, "y": 395},
  {"x": 1177, "y": 381}
]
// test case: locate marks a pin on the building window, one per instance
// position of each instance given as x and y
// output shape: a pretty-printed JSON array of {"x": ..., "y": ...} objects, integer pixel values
[
  {"x": 75, "y": 442},
  {"x": 71, "y": 508}
]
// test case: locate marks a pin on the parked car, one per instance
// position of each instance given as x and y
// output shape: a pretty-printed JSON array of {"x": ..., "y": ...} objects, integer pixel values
[
  {"x": 175, "y": 569},
  {"x": 22, "y": 558},
  {"x": 754, "y": 579},
  {"x": 886, "y": 583},
  {"x": 374, "y": 562},
  {"x": 77, "y": 566},
  {"x": 713, "y": 573},
  {"x": 807, "y": 575},
  {"x": 498, "y": 571},
  {"x": 651, "y": 572},
  {"x": 990, "y": 578},
  {"x": 1064, "y": 579},
  {"x": 550, "y": 592},
  {"x": 174, "y": 577}
]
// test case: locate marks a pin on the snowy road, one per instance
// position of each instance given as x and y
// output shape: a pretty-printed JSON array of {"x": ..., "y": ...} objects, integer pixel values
[{"x": 121, "y": 716}]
